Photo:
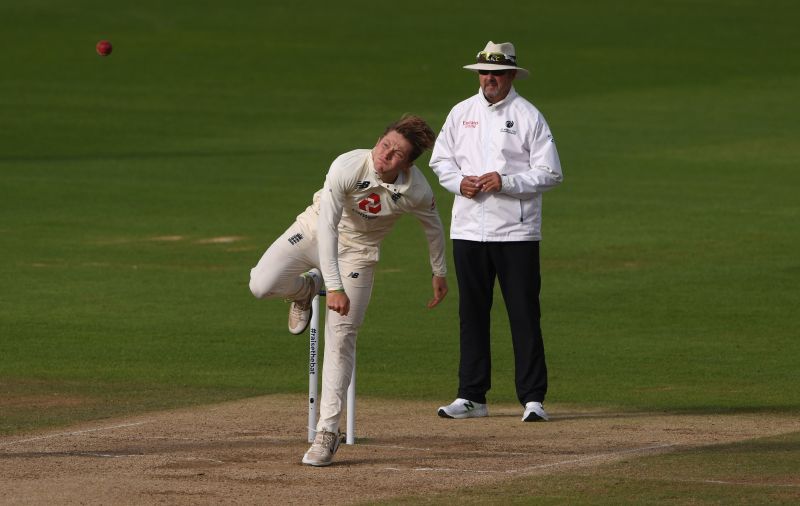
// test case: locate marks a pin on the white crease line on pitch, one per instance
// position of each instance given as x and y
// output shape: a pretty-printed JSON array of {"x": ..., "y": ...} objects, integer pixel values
[
  {"x": 107, "y": 455},
  {"x": 196, "y": 459},
  {"x": 442, "y": 470},
  {"x": 540, "y": 466},
  {"x": 74, "y": 433},
  {"x": 395, "y": 447},
  {"x": 460, "y": 452},
  {"x": 598, "y": 456},
  {"x": 482, "y": 452},
  {"x": 742, "y": 483}
]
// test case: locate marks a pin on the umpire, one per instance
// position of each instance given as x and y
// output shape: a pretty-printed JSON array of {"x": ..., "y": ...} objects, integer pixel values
[{"x": 495, "y": 152}]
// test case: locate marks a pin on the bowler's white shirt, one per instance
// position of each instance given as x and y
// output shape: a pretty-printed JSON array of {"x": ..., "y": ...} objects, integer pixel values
[{"x": 355, "y": 210}]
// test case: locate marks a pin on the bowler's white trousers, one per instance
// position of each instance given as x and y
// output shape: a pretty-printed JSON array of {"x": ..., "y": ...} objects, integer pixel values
[{"x": 277, "y": 274}]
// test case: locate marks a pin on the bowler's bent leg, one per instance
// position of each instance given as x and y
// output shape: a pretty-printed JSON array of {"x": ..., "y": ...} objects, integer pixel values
[{"x": 277, "y": 273}]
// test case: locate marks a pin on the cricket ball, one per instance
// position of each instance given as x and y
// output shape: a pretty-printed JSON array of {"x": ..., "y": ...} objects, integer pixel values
[{"x": 103, "y": 48}]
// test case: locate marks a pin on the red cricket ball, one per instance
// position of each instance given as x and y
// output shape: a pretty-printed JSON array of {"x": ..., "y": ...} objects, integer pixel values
[{"x": 103, "y": 48}]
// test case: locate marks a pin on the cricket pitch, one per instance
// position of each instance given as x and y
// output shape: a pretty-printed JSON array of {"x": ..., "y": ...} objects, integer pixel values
[{"x": 249, "y": 451}]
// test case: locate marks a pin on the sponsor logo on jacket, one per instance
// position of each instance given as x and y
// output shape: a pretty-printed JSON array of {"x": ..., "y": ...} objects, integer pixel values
[{"x": 509, "y": 128}]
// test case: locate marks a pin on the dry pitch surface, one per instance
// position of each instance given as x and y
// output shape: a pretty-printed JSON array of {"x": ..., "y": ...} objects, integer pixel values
[{"x": 248, "y": 452}]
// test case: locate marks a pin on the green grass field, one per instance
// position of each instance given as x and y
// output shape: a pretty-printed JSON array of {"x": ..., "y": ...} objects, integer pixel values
[{"x": 670, "y": 266}]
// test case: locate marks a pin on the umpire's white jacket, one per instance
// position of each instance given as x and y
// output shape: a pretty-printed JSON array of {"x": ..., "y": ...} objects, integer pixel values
[{"x": 511, "y": 138}]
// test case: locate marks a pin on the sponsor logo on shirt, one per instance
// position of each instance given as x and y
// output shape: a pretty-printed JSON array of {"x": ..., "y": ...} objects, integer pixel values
[
  {"x": 509, "y": 129},
  {"x": 295, "y": 238},
  {"x": 371, "y": 204},
  {"x": 469, "y": 124},
  {"x": 361, "y": 185},
  {"x": 353, "y": 275},
  {"x": 396, "y": 196}
]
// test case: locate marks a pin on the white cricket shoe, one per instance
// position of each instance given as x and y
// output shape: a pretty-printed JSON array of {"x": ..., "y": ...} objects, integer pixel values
[
  {"x": 300, "y": 309},
  {"x": 534, "y": 412},
  {"x": 462, "y": 408},
  {"x": 323, "y": 449}
]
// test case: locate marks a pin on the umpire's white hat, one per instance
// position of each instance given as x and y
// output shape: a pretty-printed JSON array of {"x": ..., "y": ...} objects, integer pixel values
[{"x": 498, "y": 57}]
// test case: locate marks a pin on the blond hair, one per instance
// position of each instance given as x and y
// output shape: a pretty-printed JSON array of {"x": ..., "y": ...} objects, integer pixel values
[{"x": 416, "y": 131}]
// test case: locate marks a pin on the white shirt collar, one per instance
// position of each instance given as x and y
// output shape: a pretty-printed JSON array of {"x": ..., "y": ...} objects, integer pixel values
[{"x": 400, "y": 184}]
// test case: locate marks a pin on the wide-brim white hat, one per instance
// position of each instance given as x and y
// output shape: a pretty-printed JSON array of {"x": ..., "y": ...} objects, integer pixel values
[{"x": 498, "y": 57}]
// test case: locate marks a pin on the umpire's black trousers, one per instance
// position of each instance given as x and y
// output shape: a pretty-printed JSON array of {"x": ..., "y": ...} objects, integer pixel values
[{"x": 516, "y": 266}]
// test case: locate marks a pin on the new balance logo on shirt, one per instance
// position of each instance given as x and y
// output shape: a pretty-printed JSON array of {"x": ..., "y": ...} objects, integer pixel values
[{"x": 295, "y": 238}]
